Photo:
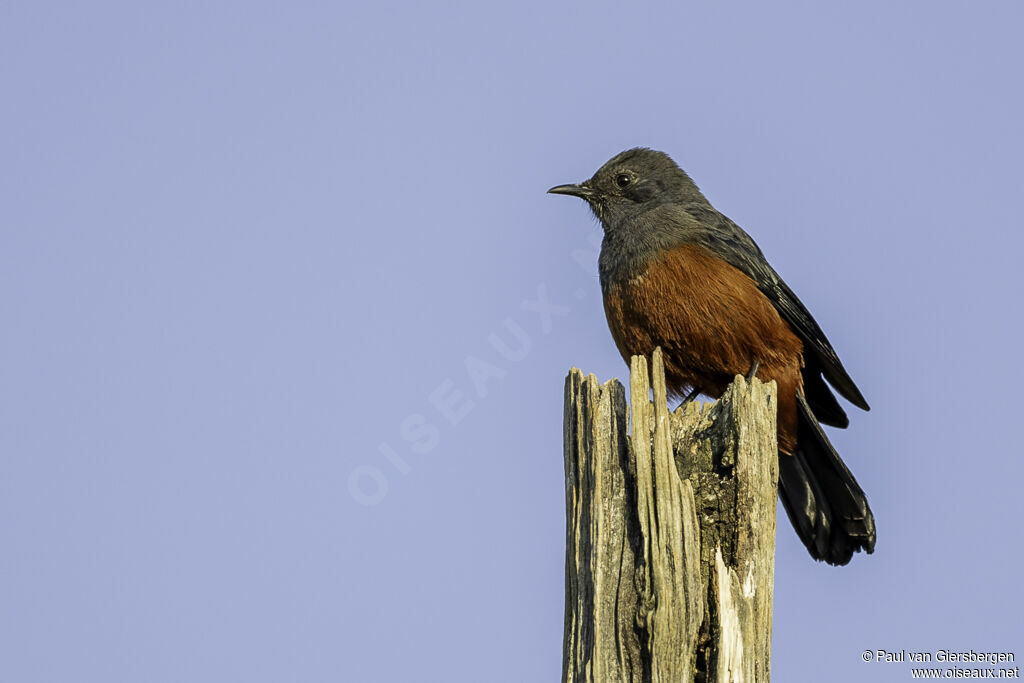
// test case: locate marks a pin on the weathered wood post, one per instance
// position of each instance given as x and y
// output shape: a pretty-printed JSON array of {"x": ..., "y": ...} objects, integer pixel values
[{"x": 670, "y": 532}]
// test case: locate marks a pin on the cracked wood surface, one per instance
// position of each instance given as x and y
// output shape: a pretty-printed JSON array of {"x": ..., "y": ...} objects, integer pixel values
[{"x": 670, "y": 531}]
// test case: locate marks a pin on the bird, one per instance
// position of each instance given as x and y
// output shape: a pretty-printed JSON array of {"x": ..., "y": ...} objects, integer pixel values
[{"x": 677, "y": 273}]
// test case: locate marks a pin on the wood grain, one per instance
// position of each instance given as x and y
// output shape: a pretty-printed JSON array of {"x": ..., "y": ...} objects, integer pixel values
[{"x": 670, "y": 531}]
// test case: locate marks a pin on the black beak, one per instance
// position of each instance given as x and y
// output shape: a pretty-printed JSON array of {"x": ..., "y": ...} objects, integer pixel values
[{"x": 581, "y": 191}]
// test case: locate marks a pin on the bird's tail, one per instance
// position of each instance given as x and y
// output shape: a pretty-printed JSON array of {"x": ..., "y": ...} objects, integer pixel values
[{"x": 823, "y": 500}]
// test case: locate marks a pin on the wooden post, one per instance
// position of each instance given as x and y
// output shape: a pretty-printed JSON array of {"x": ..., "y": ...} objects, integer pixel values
[{"x": 670, "y": 532}]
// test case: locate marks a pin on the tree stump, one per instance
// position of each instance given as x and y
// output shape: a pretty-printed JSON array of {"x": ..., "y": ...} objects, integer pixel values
[{"x": 670, "y": 532}]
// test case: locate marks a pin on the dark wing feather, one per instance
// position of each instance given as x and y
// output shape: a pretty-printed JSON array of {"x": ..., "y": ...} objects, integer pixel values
[
  {"x": 727, "y": 240},
  {"x": 820, "y": 397}
]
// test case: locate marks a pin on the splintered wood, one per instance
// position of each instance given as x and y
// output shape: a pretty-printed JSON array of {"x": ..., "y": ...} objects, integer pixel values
[{"x": 670, "y": 532}]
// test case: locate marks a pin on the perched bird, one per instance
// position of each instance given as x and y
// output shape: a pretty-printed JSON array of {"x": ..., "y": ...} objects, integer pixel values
[{"x": 678, "y": 274}]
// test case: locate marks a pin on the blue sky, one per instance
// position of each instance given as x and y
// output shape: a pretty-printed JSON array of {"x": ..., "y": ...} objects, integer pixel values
[{"x": 249, "y": 250}]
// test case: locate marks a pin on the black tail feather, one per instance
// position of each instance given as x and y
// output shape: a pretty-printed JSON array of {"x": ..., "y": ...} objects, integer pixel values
[
  {"x": 821, "y": 399},
  {"x": 827, "y": 507}
]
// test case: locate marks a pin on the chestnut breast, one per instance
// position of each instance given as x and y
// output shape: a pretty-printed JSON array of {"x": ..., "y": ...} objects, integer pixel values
[{"x": 711, "y": 321}]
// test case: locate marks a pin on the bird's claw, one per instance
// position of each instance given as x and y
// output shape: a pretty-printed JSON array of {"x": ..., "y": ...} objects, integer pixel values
[
  {"x": 753, "y": 370},
  {"x": 694, "y": 393}
]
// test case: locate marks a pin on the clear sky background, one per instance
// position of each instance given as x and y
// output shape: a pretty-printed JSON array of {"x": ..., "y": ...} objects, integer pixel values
[{"x": 252, "y": 257}]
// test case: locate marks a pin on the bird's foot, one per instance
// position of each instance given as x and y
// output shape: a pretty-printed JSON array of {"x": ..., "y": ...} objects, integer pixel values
[{"x": 753, "y": 370}]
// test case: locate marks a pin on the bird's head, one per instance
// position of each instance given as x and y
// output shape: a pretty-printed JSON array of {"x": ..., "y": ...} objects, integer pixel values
[{"x": 631, "y": 183}]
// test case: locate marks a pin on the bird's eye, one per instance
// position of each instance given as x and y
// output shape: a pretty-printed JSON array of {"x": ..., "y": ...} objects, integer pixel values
[{"x": 623, "y": 179}]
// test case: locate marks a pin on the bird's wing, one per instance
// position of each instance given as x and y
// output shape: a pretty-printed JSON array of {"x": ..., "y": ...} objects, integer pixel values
[{"x": 727, "y": 240}]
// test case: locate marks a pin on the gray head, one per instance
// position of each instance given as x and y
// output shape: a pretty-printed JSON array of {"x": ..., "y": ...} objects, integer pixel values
[{"x": 633, "y": 182}]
